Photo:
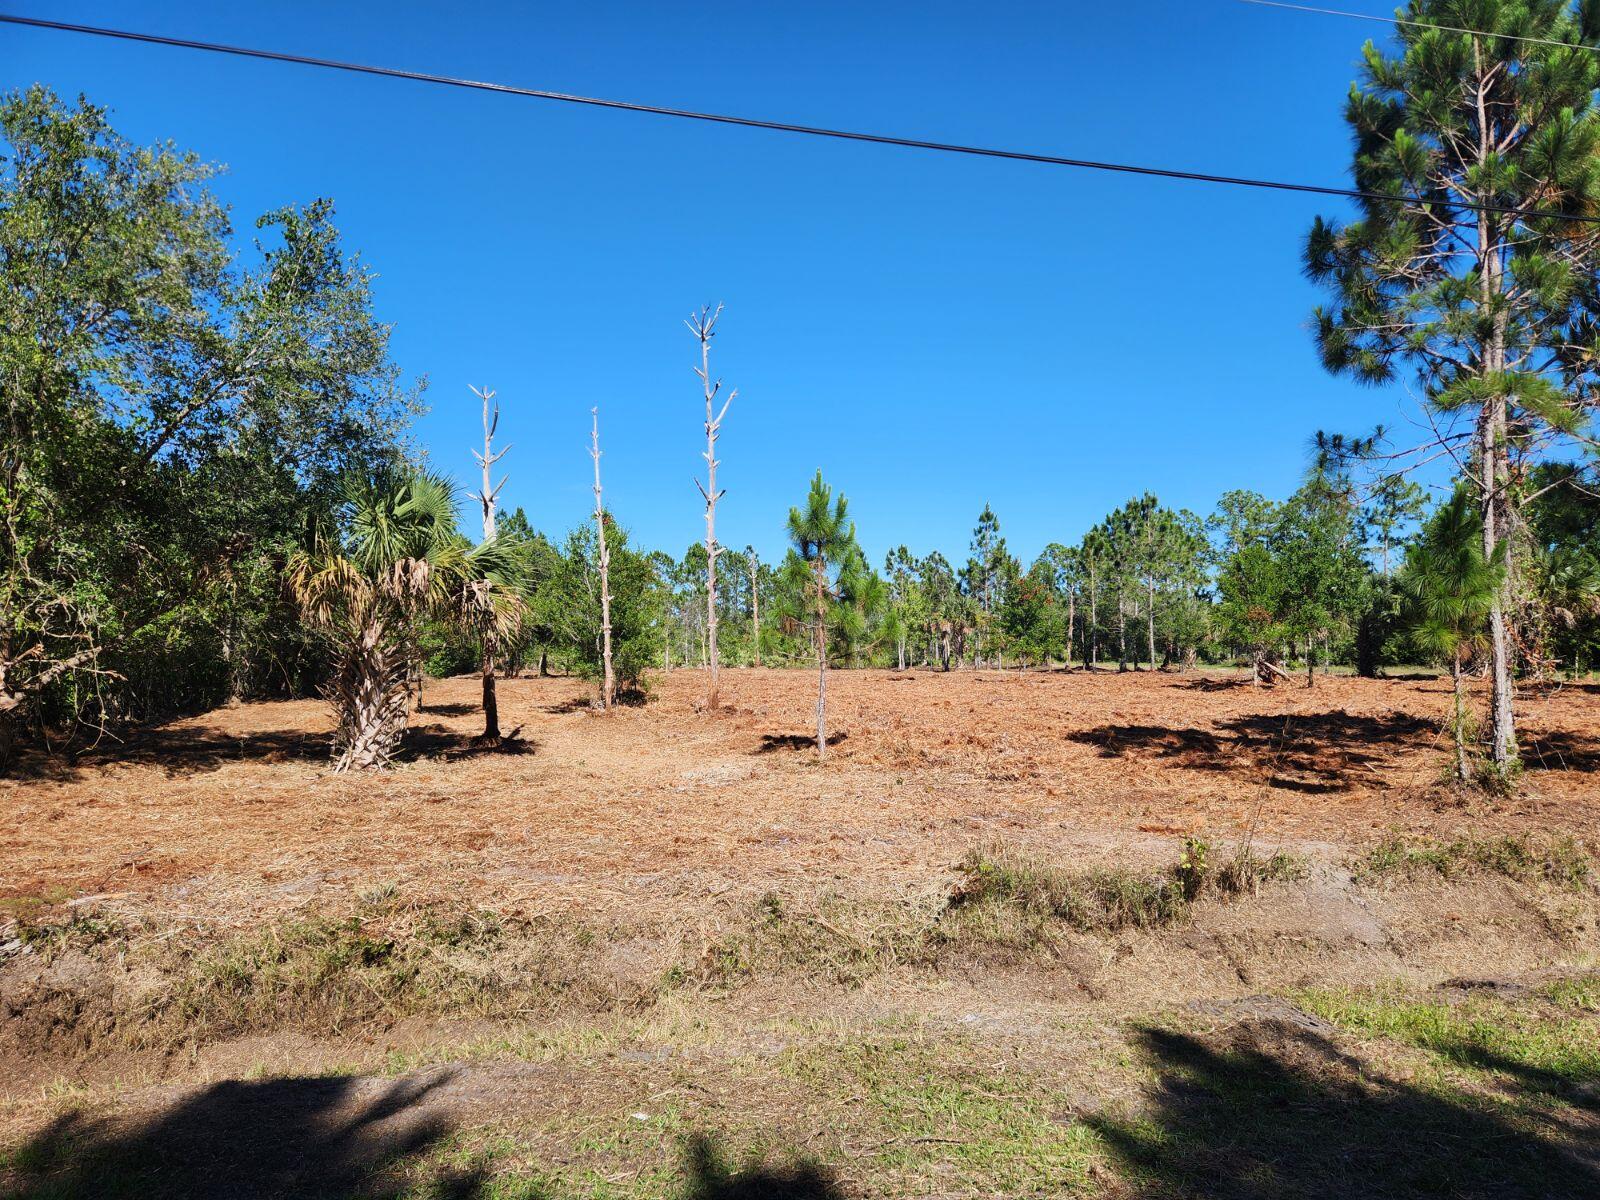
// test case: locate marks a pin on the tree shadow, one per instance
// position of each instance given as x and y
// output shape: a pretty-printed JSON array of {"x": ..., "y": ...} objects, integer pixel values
[
  {"x": 1208, "y": 684},
  {"x": 1194, "y": 748},
  {"x": 566, "y": 707},
  {"x": 1313, "y": 753},
  {"x": 709, "y": 1177},
  {"x": 334, "y": 1137},
  {"x": 343, "y": 1138},
  {"x": 453, "y": 709},
  {"x": 436, "y": 741},
  {"x": 771, "y": 743},
  {"x": 1558, "y": 750},
  {"x": 178, "y": 750},
  {"x": 1274, "y": 1110}
]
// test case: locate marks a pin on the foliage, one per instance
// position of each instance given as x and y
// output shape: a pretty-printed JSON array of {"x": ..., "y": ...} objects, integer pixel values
[
  {"x": 167, "y": 417},
  {"x": 366, "y": 583}
]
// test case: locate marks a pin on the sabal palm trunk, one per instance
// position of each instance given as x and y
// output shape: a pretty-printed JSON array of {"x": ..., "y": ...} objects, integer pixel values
[
  {"x": 372, "y": 694},
  {"x": 491, "y": 702}
]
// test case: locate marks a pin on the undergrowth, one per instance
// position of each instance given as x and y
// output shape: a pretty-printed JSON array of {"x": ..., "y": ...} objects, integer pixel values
[
  {"x": 1006, "y": 902},
  {"x": 1560, "y": 860}
]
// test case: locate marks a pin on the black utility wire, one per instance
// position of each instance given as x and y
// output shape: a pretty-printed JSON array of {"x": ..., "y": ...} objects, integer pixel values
[
  {"x": 784, "y": 126},
  {"x": 1409, "y": 23}
]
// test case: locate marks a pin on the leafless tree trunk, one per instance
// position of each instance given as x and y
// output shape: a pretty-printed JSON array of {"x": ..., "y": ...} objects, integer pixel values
[
  {"x": 608, "y": 689},
  {"x": 1122, "y": 631},
  {"x": 1072, "y": 613},
  {"x": 1092, "y": 634},
  {"x": 819, "y": 569},
  {"x": 487, "y": 496},
  {"x": 703, "y": 326},
  {"x": 755, "y": 599}
]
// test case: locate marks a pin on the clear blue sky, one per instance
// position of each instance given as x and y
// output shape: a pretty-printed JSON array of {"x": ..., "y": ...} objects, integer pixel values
[{"x": 934, "y": 332}]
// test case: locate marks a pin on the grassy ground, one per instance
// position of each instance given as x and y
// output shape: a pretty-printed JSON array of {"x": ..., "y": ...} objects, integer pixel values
[{"x": 1351, "y": 1093}]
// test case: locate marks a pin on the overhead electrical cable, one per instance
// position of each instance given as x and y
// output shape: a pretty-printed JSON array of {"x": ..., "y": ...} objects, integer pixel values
[
  {"x": 1410, "y": 24},
  {"x": 879, "y": 139}
]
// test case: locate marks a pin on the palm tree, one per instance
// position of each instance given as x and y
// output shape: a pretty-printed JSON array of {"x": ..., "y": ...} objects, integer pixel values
[
  {"x": 1451, "y": 588},
  {"x": 398, "y": 557},
  {"x": 823, "y": 538}
]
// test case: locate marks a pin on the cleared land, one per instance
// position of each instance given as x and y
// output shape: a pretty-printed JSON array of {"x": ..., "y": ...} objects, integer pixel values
[{"x": 964, "y": 955}]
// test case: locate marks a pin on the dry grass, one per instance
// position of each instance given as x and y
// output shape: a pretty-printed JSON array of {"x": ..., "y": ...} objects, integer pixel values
[{"x": 658, "y": 811}]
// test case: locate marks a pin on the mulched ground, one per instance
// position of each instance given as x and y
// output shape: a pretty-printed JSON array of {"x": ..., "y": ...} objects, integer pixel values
[{"x": 233, "y": 814}]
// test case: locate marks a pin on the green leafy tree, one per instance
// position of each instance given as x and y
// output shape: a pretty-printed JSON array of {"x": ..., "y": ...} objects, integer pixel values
[
  {"x": 1251, "y": 585},
  {"x": 1324, "y": 575},
  {"x": 1094, "y": 558},
  {"x": 1064, "y": 569},
  {"x": 945, "y": 608},
  {"x": 1469, "y": 287},
  {"x": 1030, "y": 614},
  {"x": 167, "y": 419}
]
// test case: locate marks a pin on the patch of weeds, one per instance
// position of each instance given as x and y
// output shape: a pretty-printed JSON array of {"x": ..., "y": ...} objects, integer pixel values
[
  {"x": 840, "y": 938},
  {"x": 1581, "y": 992},
  {"x": 81, "y": 931},
  {"x": 1091, "y": 901},
  {"x": 1550, "y": 1054},
  {"x": 1242, "y": 873},
  {"x": 1561, "y": 860},
  {"x": 378, "y": 964},
  {"x": 25, "y": 908}
]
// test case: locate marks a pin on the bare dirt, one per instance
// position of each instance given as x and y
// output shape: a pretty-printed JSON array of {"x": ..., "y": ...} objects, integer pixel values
[{"x": 234, "y": 814}]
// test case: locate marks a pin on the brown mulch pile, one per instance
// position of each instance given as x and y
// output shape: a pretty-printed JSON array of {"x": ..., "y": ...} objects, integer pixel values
[{"x": 232, "y": 815}]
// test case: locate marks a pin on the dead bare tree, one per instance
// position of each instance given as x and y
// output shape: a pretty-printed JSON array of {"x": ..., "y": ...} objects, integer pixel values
[
  {"x": 755, "y": 598},
  {"x": 703, "y": 326},
  {"x": 487, "y": 496},
  {"x": 608, "y": 688}
]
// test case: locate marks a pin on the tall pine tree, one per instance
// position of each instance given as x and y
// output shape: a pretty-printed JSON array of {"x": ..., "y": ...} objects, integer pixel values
[{"x": 1469, "y": 285}]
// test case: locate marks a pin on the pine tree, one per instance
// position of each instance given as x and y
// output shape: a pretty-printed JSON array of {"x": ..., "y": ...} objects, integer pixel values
[
  {"x": 1451, "y": 587},
  {"x": 1482, "y": 307},
  {"x": 824, "y": 540}
]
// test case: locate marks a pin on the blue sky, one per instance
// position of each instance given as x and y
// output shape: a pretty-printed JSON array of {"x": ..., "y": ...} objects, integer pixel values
[{"x": 934, "y": 332}]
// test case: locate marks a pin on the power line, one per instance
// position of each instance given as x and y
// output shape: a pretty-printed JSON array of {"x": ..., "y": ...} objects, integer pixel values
[
  {"x": 1358, "y": 16},
  {"x": 879, "y": 139}
]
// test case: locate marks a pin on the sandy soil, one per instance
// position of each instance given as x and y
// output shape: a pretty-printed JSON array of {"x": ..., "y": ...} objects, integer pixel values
[{"x": 233, "y": 814}]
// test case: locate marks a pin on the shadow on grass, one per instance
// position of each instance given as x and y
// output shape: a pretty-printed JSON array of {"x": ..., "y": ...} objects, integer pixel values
[
  {"x": 435, "y": 741},
  {"x": 1557, "y": 750},
  {"x": 281, "y": 1137},
  {"x": 772, "y": 743},
  {"x": 323, "y": 1139},
  {"x": 177, "y": 750},
  {"x": 1314, "y": 753},
  {"x": 1273, "y": 1110}
]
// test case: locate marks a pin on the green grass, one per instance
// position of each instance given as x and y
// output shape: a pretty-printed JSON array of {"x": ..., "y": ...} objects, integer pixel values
[
  {"x": 1561, "y": 860},
  {"x": 1551, "y": 1052},
  {"x": 950, "y": 1116}
]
